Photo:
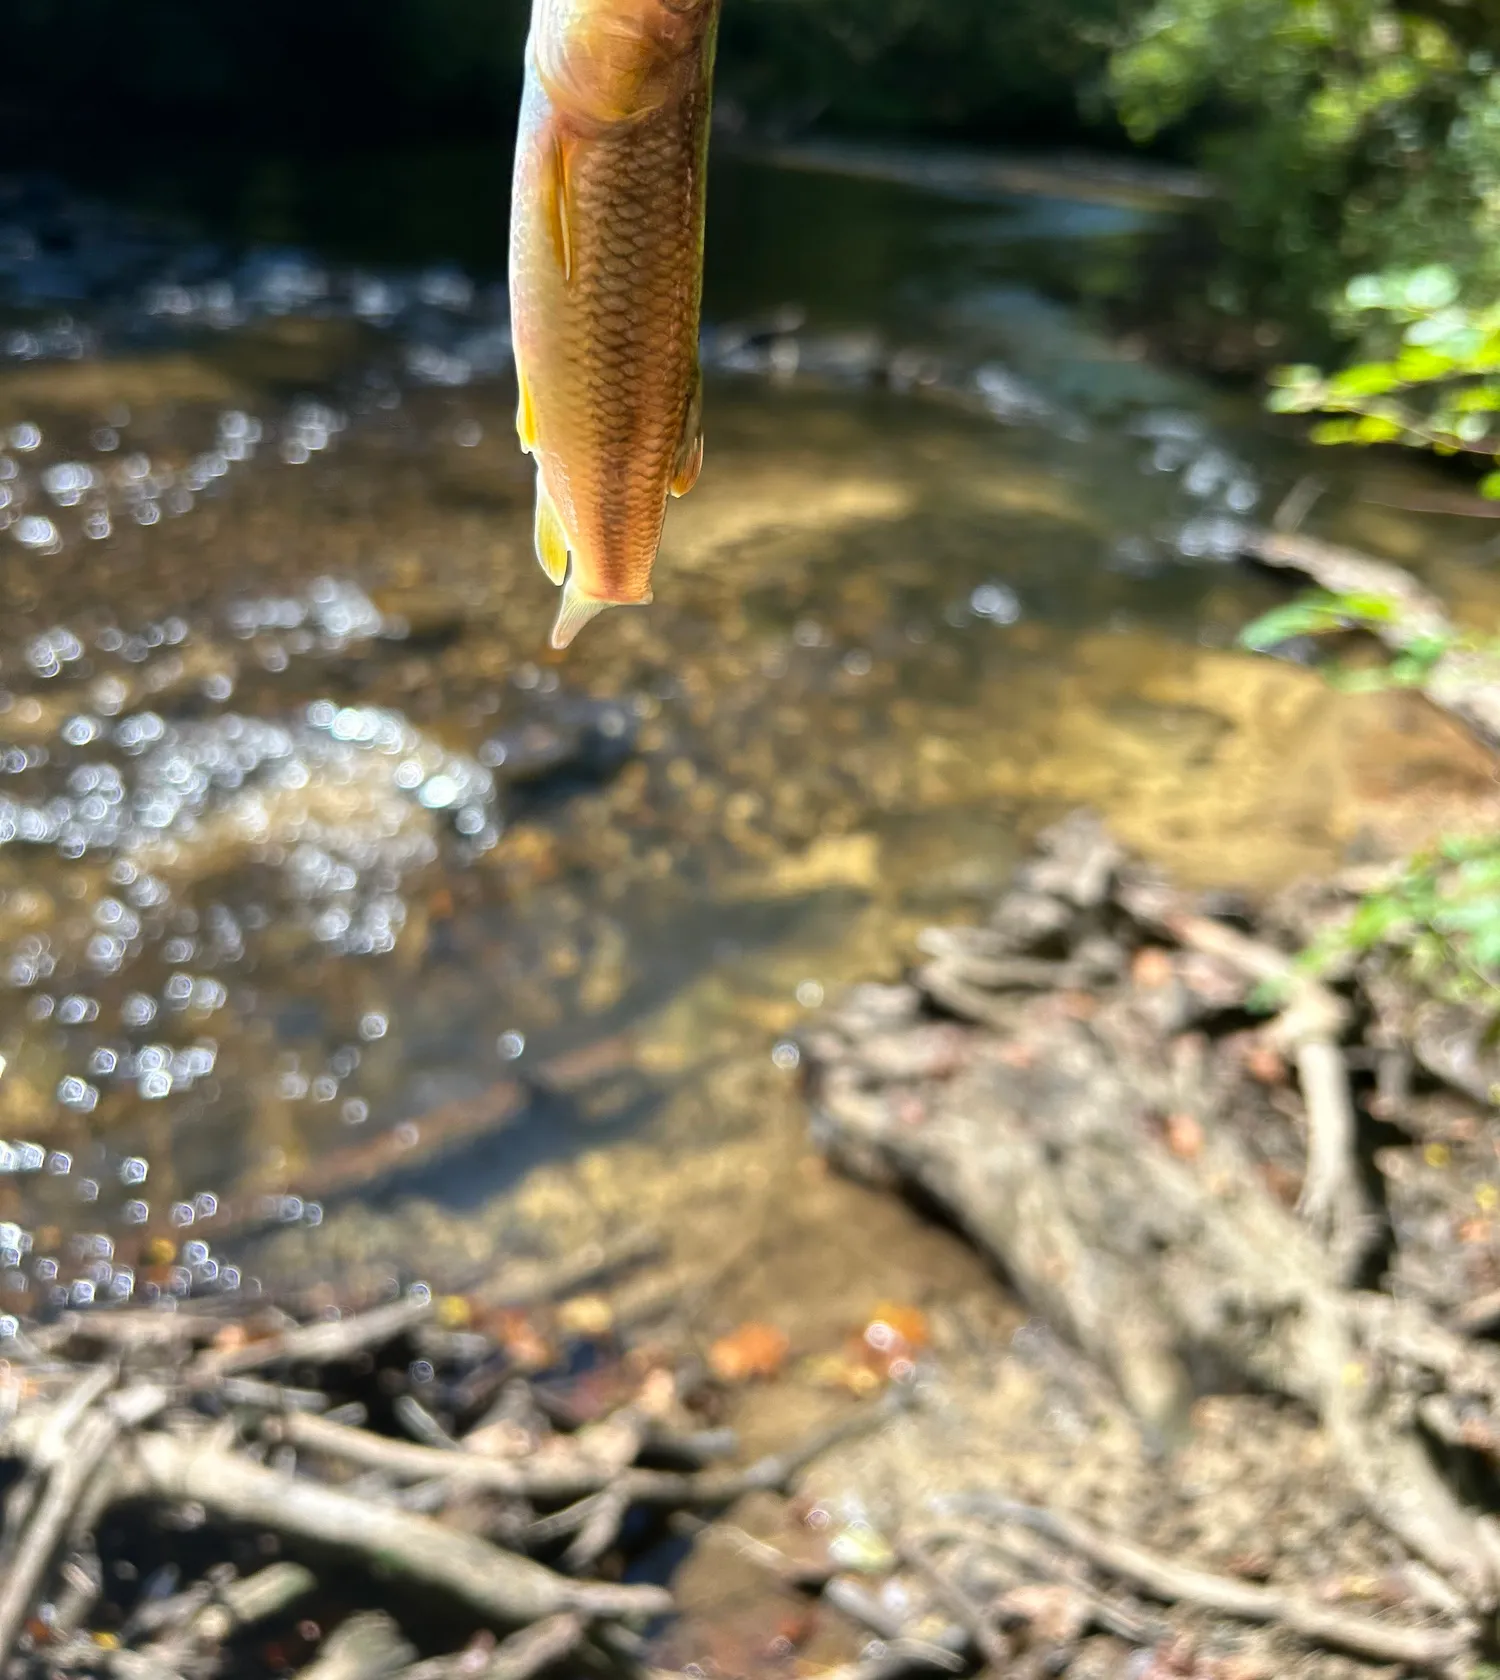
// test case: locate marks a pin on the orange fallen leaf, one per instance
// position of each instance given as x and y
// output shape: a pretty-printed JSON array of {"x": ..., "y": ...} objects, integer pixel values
[
  {"x": 853, "y": 1373},
  {"x": 905, "y": 1323},
  {"x": 1151, "y": 967},
  {"x": 1266, "y": 1064},
  {"x": 521, "y": 1339},
  {"x": 589, "y": 1316},
  {"x": 1184, "y": 1134},
  {"x": 750, "y": 1352}
]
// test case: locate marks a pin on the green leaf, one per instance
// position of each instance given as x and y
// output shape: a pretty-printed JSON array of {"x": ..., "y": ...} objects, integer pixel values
[
  {"x": 1419, "y": 365},
  {"x": 1300, "y": 373},
  {"x": 1364, "y": 379},
  {"x": 1375, "y": 920},
  {"x": 1489, "y": 486},
  {"x": 1335, "y": 431},
  {"x": 1375, "y": 428},
  {"x": 1284, "y": 624},
  {"x": 1296, "y": 401},
  {"x": 1433, "y": 287}
]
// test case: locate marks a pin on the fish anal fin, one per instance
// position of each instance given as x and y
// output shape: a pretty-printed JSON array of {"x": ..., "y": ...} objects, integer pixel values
[
  {"x": 559, "y": 201},
  {"x": 551, "y": 538},
  {"x": 525, "y": 413},
  {"x": 689, "y": 461}
]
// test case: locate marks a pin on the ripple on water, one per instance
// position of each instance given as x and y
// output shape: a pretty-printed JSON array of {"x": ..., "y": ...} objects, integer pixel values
[{"x": 163, "y": 873}]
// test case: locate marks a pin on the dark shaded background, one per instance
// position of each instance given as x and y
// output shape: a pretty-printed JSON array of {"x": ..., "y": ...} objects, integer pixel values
[{"x": 350, "y": 73}]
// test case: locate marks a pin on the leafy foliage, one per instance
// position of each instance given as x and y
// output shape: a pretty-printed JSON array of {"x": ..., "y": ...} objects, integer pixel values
[
  {"x": 921, "y": 65},
  {"x": 411, "y": 67},
  {"x": 1433, "y": 381},
  {"x": 1439, "y": 918},
  {"x": 1351, "y": 136}
]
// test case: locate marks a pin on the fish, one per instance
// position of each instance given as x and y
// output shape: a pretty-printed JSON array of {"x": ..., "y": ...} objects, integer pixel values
[{"x": 608, "y": 206}]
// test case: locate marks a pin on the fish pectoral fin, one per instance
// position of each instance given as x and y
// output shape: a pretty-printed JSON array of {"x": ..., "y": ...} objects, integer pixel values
[
  {"x": 551, "y": 538},
  {"x": 525, "y": 413},
  {"x": 559, "y": 201},
  {"x": 574, "y": 611},
  {"x": 689, "y": 461}
]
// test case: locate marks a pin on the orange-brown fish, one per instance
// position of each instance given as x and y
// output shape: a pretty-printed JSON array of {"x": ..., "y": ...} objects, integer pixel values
[{"x": 606, "y": 280}]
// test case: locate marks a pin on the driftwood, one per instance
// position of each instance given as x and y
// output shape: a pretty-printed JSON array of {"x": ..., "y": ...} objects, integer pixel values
[{"x": 1100, "y": 1144}]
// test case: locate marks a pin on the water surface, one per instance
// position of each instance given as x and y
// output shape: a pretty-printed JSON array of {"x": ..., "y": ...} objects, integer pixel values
[{"x": 332, "y": 904}]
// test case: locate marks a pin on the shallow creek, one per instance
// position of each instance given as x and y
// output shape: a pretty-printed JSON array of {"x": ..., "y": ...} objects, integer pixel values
[{"x": 346, "y": 933}]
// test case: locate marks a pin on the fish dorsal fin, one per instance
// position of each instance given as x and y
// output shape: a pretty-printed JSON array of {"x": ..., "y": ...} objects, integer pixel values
[
  {"x": 559, "y": 202},
  {"x": 689, "y": 461},
  {"x": 551, "y": 538},
  {"x": 525, "y": 412}
]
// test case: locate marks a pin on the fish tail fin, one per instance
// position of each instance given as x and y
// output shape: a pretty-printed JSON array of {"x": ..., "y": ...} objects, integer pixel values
[
  {"x": 577, "y": 609},
  {"x": 574, "y": 611},
  {"x": 551, "y": 538}
]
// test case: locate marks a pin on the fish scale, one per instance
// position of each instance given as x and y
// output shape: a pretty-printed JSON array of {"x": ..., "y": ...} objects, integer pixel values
[{"x": 606, "y": 284}]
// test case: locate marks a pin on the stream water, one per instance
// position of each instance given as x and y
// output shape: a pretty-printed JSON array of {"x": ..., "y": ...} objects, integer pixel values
[{"x": 344, "y": 930}]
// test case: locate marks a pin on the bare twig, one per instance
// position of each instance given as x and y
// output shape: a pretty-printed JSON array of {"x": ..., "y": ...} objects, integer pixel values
[
  {"x": 771, "y": 1558},
  {"x": 420, "y": 1424},
  {"x": 76, "y": 1454},
  {"x": 523, "y": 1655},
  {"x": 322, "y": 1343},
  {"x": 1298, "y": 502},
  {"x": 889, "y": 1659},
  {"x": 256, "y": 1598},
  {"x": 601, "y": 1528},
  {"x": 1173, "y": 1583},
  {"x": 269, "y": 1396},
  {"x": 366, "y": 1647},
  {"x": 573, "y": 1478},
  {"x": 66, "y": 1486},
  {"x": 1333, "y": 1199},
  {"x": 62, "y": 1421},
  {"x": 951, "y": 1594},
  {"x": 497, "y": 1584}
]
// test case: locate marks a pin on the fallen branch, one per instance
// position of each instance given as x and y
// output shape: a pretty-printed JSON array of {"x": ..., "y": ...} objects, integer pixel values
[
  {"x": 1045, "y": 1142},
  {"x": 1462, "y": 683}
]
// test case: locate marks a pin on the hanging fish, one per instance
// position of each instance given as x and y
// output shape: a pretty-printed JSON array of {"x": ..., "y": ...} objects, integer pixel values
[{"x": 606, "y": 282}]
